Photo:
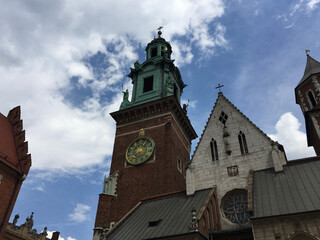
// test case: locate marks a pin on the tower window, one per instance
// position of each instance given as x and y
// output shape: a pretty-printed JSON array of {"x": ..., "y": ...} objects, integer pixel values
[
  {"x": 243, "y": 143},
  {"x": 223, "y": 117},
  {"x": 175, "y": 91},
  {"x": 179, "y": 165},
  {"x": 214, "y": 150},
  {"x": 148, "y": 84},
  {"x": 311, "y": 98},
  {"x": 154, "y": 52}
]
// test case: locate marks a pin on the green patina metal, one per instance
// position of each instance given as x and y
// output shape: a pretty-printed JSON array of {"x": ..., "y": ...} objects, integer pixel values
[{"x": 157, "y": 77}]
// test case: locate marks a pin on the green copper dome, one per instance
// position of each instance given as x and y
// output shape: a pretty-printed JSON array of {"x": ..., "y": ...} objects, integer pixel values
[{"x": 157, "y": 77}]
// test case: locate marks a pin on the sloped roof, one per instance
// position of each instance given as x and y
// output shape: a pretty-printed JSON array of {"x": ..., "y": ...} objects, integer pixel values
[
  {"x": 172, "y": 212},
  {"x": 312, "y": 67},
  {"x": 295, "y": 190},
  {"x": 220, "y": 95}
]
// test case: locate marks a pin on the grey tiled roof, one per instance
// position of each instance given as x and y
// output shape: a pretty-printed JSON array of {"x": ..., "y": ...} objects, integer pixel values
[
  {"x": 312, "y": 67},
  {"x": 174, "y": 212},
  {"x": 295, "y": 190}
]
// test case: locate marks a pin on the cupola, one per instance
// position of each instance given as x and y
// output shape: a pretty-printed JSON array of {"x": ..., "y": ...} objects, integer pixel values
[{"x": 157, "y": 77}]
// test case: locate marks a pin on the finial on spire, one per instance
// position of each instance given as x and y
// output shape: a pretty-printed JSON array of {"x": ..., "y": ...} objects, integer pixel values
[
  {"x": 307, "y": 51},
  {"x": 159, "y": 31},
  {"x": 219, "y": 86}
]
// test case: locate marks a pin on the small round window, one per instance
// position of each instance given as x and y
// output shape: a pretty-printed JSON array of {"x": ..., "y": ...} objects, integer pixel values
[{"x": 235, "y": 206}]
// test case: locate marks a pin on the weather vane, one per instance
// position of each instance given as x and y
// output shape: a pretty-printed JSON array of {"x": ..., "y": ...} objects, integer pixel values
[
  {"x": 159, "y": 30},
  {"x": 219, "y": 86},
  {"x": 307, "y": 51}
]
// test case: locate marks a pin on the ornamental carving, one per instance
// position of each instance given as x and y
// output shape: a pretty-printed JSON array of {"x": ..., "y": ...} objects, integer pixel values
[{"x": 235, "y": 206}]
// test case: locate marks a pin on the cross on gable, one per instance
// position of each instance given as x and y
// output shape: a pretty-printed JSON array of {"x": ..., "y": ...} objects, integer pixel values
[{"x": 219, "y": 86}]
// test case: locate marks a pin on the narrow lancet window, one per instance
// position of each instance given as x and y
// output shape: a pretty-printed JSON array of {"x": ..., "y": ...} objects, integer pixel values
[
  {"x": 214, "y": 150},
  {"x": 312, "y": 100},
  {"x": 243, "y": 143}
]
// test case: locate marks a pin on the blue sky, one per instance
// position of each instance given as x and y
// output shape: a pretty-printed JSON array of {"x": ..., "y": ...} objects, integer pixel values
[{"x": 65, "y": 63}]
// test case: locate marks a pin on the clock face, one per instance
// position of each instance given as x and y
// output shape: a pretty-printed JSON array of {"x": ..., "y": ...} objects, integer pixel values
[{"x": 140, "y": 150}]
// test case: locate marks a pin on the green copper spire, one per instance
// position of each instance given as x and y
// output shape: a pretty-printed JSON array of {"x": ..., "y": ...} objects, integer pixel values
[{"x": 157, "y": 77}]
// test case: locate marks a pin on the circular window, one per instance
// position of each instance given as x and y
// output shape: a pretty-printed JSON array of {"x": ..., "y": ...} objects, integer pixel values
[{"x": 235, "y": 206}]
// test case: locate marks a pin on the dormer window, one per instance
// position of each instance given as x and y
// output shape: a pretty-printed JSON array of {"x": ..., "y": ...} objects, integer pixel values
[
  {"x": 148, "y": 84},
  {"x": 154, "y": 223},
  {"x": 154, "y": 52}
]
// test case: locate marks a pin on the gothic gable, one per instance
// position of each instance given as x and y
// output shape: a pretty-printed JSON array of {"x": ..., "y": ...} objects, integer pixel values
[{"x": 229, "y": 147}]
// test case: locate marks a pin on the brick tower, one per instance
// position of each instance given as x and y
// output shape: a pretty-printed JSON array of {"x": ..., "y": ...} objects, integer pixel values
[
  {"x": 15, "y": 163},
  {"x": 152, "y": 141},
  {"x": 308, "y": 97}
]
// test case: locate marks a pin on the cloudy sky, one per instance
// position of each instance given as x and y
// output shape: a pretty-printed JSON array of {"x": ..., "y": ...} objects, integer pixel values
[{"x": 65, "y": 62}]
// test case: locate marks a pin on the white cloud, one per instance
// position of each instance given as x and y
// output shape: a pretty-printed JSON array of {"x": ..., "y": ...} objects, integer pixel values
[
  {"x": 44, "y": 44},
  {"x": 300, "y": 7},
  {"x": 289, "y": 135},
  {"x": 313, "y": 4},
  {"x": 80, "y": 213},
  {"x": 49, "y": 235}
]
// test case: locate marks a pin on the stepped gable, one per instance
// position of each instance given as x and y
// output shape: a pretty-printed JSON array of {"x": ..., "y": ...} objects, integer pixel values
[{"x": 13, "y": 147}]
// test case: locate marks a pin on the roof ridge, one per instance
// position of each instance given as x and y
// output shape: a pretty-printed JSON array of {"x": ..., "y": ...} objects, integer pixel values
[{"x": 164, "y": 195}]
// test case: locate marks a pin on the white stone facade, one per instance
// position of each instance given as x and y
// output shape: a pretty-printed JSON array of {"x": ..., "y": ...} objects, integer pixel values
[{"x": 204, "y": 172}]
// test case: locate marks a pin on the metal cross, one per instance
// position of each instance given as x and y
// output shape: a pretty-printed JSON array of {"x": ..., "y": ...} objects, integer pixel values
[
  {"x": 307, "y": 51},
  {"x": 220, "y": 86}
]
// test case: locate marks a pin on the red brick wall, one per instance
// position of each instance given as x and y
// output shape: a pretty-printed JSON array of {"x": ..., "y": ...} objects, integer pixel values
[
  {"x": 159, "y": 175},
  {"x": 103, "y": 211},
  {"x": 9, "y": 189}
]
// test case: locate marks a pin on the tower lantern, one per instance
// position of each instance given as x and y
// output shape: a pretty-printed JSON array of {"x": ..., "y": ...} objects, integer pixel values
[{"x": 157, "y": 77}]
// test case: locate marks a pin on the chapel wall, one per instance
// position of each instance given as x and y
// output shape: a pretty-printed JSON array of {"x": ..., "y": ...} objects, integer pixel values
[{"x": 286, "y": 227}]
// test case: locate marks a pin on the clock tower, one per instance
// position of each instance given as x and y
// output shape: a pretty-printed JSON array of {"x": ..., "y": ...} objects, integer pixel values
[{"x": 152, "y": 141}]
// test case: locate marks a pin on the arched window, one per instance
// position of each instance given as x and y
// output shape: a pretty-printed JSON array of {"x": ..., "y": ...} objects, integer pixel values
[
  {"x": 312, "y": 99},
  {"x": 214, "y": 150},
  {"x": 243, "y": 143}
]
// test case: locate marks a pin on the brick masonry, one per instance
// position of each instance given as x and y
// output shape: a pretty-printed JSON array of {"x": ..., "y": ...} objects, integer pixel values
[
  {"x": 312, "y": 113},
  {"x": 15, "y": 163},
  {"x": 159, "y": 175}
]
